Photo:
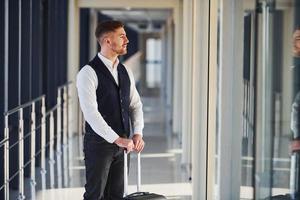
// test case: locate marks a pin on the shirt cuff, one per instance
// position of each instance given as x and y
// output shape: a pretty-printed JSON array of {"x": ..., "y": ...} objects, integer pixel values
[
  {"x": 111, "y": 138},
  {"x": 138, "y": 131}
]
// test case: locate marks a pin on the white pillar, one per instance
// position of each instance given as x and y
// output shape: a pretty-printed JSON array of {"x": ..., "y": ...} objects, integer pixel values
[
  {"x": 187, "y": 83},
  {"x": 212, "y": 93},
  {"x": 230, "y": 99},
  {"x": 164, "y": 64},
  {"x": 170, "y": 62},
  {"x": 177, "y": 79},
  {"x": 200, "y": 97},
  {"x": 73, "y": 61}
]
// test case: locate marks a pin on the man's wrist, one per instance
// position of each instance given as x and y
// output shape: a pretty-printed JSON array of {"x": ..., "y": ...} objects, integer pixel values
[
  {"x": 117, "y": 141},
  {"x": 137, "y": 135}
]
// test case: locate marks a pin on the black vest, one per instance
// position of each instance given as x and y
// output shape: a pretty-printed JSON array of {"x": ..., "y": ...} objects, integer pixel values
[{"x": 112, "y": 99}]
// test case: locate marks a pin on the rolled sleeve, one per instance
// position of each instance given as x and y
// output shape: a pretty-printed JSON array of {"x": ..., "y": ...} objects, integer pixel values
[{"x": 295, "y": 118}]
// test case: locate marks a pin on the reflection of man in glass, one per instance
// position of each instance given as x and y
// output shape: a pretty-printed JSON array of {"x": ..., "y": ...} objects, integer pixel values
[
  {"x": 295, "y": 121},
  {"x": 295, "y": 126}
]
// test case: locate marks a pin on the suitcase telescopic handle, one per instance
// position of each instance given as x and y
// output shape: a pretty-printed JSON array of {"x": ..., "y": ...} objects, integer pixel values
[{"x": 126, "y": 173}]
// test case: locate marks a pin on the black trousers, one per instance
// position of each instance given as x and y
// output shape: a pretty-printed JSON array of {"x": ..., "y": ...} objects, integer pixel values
[{"x": 104, "y": 164}]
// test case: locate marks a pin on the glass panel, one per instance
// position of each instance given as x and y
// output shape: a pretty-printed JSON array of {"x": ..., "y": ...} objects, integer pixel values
[
  {"x": 264, "y": 108},
  {"x": 153, "y": 62},
  {"x": 247, "y": 182},
  {"x": 248, "y": 101},
  {"x": 271, "y": 100},
  {"x": 277, "y": 81},
  {"x": 216, "y": 188}
]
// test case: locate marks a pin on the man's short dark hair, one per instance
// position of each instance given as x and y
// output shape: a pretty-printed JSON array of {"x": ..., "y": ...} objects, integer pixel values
[{"x": 107, "y": 26}]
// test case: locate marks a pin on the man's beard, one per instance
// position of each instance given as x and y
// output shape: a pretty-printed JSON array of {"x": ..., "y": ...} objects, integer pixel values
[{"x": 122, "y": 51}]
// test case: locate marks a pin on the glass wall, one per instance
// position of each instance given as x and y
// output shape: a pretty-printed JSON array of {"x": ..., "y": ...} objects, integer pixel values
[
  {"x": 277, "y": 84},
  {"x": 248, "y": 102},
  {"x": 270, "y": 135}
]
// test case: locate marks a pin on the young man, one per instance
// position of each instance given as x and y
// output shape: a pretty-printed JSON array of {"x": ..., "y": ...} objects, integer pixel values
[{"x": 108, "y": 99}]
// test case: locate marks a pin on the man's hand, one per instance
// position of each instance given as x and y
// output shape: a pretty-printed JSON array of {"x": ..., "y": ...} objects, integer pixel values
[
  {"x": 125, "y": 143},
  {"x": 295, "y": 145},
  {"x": 138, "y": 142}
]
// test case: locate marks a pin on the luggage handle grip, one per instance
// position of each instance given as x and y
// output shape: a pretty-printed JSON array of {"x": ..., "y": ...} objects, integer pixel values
[{"x": 126, "y": 173}]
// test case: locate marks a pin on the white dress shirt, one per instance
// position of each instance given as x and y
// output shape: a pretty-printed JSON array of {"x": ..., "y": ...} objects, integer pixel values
[{"x": 87, "y": 84}]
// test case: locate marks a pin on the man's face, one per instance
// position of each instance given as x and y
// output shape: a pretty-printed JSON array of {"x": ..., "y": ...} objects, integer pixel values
[
  {"x": 296, "y": 43},
  {"x": 119, "y": 41}
]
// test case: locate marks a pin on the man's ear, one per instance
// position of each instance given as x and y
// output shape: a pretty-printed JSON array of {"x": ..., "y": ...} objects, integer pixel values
[{"x": 107, "y": 41}]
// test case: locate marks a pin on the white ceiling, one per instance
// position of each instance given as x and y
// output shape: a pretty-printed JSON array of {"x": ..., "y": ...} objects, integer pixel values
[{"x": 142, "y": 20}]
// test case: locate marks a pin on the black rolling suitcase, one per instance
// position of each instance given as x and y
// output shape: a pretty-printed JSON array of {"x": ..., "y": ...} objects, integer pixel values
[
  {"x": 279, "y": 197},
  {"x": 137, "y": 195}
]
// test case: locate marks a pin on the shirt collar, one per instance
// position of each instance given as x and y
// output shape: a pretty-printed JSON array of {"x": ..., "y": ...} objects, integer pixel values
[{"x": 108, "y": 63}]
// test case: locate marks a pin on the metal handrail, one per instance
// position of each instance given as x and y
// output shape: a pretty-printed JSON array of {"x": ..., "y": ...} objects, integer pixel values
[
  {"x": 14, "y": 110},
  {"x": 2, "y": 143},
  {"x": 52, "y": 109},
  {"x": 60, "y": 108},
  {"x": 64, "y": 85},
  {"x": 2, "y": 187},
  {"x": 30, "y": 132}
]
